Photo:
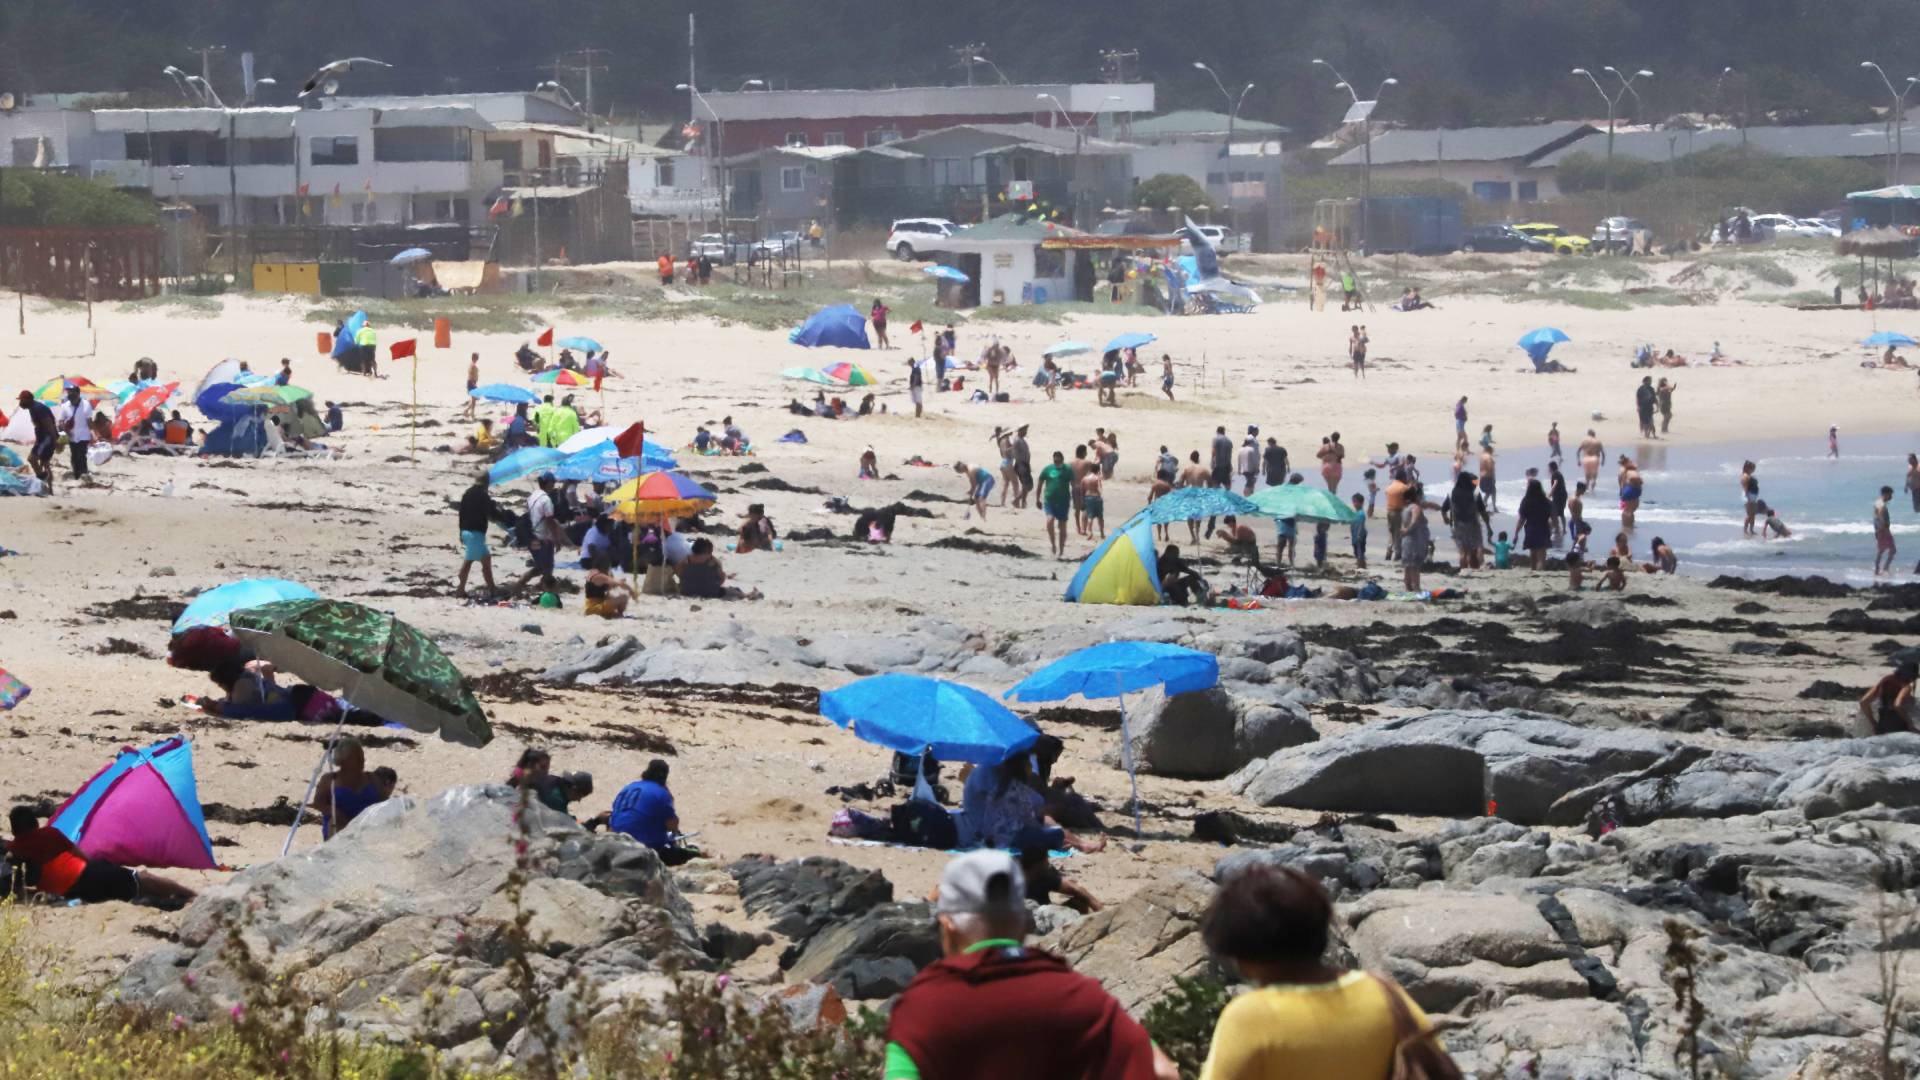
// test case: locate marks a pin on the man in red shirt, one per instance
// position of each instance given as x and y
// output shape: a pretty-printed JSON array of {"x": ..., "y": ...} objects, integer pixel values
[
  {"x": 993, "y": 1009},
  {"x": 53, "y": 865}
]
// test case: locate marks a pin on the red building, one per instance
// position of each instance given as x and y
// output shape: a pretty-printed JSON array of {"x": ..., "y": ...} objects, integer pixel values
[{"x": 754, "y": 119}]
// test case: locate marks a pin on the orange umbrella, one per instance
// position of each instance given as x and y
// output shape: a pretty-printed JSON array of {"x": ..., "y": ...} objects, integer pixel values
[{"x": 144, "y": 400}]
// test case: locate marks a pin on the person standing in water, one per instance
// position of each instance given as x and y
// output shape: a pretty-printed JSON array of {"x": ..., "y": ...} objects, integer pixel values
[
  {"x": 1833, "y": 441},
  {"x": 1913, "y": 480},
  {"x": 1591, "y": 454},
  {"x": 1749, "y": 495},
  {"x": 1553, "y": 441},
  {"x": 1884, "y": 550},
  {"x": 1630, "y": 487}
]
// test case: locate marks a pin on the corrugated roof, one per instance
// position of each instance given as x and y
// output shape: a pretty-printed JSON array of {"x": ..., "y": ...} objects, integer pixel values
[
  {"x": 1058, "y": 138},
  {"x": 809, "y": 153},
  {"x": 1465, "y": 144},
  {"x": 1805, "y": 140},
  {"x": 1199, "y": 122},
  {"x": 1011, "y": 227}
]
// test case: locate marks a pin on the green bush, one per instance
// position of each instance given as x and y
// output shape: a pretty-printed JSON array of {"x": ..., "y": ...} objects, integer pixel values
[
  {"x": 1170, "y": 189},
  {"x": 33, "y": 198},
  {"x": 1182, "y": 1023}
]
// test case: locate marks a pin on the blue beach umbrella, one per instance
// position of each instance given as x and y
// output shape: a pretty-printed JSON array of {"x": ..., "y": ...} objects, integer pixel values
[
  {"x": 1188, "y": 504},
  {"x": 1130, "y": 341},
  {"x": 523, "y": 462},
  {"x": 1113, "y": 670},
  {"x": 584, "y": 344},
  {"x": 512, "y": 395},
  {"x": 411, "y": 255},
  {"x": 212, "y": 607},
  {"x": 1538, "y": 343},
  {"x": 946, "y": 273},
  {"x": 912, "y": 714},
  {"x": 1888, "y": 337},
  {"x": 602, "y": 462},
  {"x": 1066, "y": 348}
]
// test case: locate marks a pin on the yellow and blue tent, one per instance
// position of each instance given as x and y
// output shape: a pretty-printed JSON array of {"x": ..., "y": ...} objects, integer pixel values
[{"x": 1124, "y": 569}]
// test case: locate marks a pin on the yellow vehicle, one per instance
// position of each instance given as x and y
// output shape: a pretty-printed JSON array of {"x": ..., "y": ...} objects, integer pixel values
[{"x": 1544, "y": 237}]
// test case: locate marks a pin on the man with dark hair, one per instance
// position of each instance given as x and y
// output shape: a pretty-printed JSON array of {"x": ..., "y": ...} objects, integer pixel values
[
  {"x": 50, "y": 862},
  {"x": 992, "y": 1007},
  {"x": 644, "y": 810},
  {"x": 548, "y": 535},
  {"x": 46, "y": 437},
  {"x": 476, "y": 512}
]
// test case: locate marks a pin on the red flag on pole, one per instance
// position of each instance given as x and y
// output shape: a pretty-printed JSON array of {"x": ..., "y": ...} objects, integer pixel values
[
  {"x": 545, "y": 338},
  {"x": 402, "y": 348},
  {"x": 915, "y": 328},
  {"x": 597, "y": 376},
  {"x": 632, "y": 441}
]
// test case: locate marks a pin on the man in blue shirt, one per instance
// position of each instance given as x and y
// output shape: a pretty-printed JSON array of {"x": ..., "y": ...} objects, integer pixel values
[{"x": 644, "y": 810}]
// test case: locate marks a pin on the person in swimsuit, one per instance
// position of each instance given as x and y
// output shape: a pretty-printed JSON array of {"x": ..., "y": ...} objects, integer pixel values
[
  {"x": 1664, "y": 559},
  {"x": 979, "y": 486},
  {"x": 50, "y": 863},
  {"x": 1009, "y": 476},
  {"x": 349, "y": 789},
  {"x": 1415, "y": 537},
  {"x": 1591, "y": 454},
  {"x": 1884, "y": 550},
  {"x": 605, "y": 595},
  {"x": 1332, "y": 457},
  {"x": 1749, "y": 495},
  {"x": 1095, "y": 503},
  {"x": 1557, "y": 496},
  {"x": 1630, "y": 488},
  {"x": 1166, "y": 387},
  {"x": 1553, "y": 441},
  {"x": 473, "y": 381},
  {"x": 1888, "y": 707}
]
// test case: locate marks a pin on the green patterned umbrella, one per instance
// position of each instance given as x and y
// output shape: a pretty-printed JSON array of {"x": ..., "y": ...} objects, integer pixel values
[{"x": 372, "y": 659}]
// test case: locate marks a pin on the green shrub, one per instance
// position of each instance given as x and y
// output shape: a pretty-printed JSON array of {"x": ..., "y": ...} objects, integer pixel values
[
  {"x": 35, "y": 198},
  {"x": 1182, "y": 1022}
]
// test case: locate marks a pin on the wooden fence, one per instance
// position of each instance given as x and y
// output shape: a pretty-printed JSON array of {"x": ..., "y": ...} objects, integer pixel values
[{"x": 118, "y": 264}]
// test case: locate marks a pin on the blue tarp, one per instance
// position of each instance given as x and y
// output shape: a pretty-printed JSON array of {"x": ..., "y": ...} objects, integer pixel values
[
  {"x": 840, "y": 326},
  {"x": 343, "y": 340}
]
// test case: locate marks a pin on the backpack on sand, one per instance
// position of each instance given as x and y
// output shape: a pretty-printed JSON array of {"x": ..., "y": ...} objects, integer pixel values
[{"x": 1416, "y": 1051}]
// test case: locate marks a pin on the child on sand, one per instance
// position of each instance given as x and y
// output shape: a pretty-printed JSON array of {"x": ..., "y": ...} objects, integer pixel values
[
  {"x": 1373, "y": 492},
  {"x": 1094, "y": 505},
  {"x": 1502, "y": 553},
  {"x": 1613, "y": 579},
  {"x": 1358, "y": 528},
  {"x": 1577, "y": 555}
]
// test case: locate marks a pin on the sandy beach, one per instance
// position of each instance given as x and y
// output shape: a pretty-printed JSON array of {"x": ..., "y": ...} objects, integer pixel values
[{"x": 84, "y": 603}]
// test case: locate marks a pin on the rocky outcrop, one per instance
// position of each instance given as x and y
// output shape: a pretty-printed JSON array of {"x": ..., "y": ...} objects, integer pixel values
[
  {"x": 414, "y": 895},
  {"x": 1207, "y": 734},
  {"x": 1449, "y": 763},
  {"x": 1138, "y": 946}
]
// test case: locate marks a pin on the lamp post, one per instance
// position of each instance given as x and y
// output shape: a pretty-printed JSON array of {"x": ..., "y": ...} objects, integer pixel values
[
  {"x": 1079, "y": 142},
  {"x": 1365, "y": 117},
  {"x": 1004, "y": 81},
  {"x": 719, "y": 144},
  {"x": 1233, "y": 114},
  {"x": 1613, "y": 106},
  {"x": 1899, "y": 113}
]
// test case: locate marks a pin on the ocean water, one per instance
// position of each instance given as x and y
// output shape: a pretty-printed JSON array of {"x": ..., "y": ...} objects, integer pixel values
[{"x": 1693, "y": 502}]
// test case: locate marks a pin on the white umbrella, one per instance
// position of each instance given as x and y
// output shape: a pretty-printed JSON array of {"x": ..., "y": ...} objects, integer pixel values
[{"x": 592, "y": 436}]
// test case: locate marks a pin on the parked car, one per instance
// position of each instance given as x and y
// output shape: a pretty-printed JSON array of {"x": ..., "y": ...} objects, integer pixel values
[
  {"x": 1546, "y": 237},
  {"x": 1494, "y": 238},
  {"x": 1786, "y": 225},
  {"x": 771, "y": 246},
  {"x": 911, "y": 238},
  {"x": 730, "y": 248},
  {"x": 1614, "y": 235},
  {"x": 1225, "y": 241}
]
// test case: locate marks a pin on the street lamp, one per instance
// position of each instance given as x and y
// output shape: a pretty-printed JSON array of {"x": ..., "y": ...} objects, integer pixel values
[
  {"x": 1613, "y": 106},
  {"x": 206, "y": 91},
  {"x": 1363, "y": 112},
  {"x": 1004, "y": 81},
  {"x": 718, "y": 142},
  {"x": 761, "y": 83},
  {"x": 1233, "y": 113},
  {"x": 324, "y": 78},
  {"x": 554, "y": 87},
  {"x": 1899, "y": 113},
  {"x": 257, "y": 84},
  {"x": 180, "y": 79}
]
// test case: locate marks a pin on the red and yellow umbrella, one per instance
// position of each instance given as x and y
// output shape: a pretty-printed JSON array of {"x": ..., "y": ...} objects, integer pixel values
[
  {"x": 657, "y": 494},
  {"x": 563, "y": 377},
  {"x": 144, "y": 400}
]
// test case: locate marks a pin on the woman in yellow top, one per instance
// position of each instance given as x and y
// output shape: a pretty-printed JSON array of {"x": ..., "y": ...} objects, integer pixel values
[{"x": 1307, "y": 1018}]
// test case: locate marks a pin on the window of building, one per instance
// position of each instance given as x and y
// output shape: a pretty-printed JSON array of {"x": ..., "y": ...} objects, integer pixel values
[
  {"x": 882, "y": 136},
  {"x": 422, "y": 144},
  {"x": 1049, "y": 263},
  {"x": 264, "y": 152},
  {"x": 216, "y": 151},
  {"x": 1529, "y": 190},
  {"x": 793, "y": 178},
  {"x": 506, "y": 153},
  {"x": 663, "y": 173},
  {"x": 334, "y": 150},
  {"x": 949, "y": 172},
  {"x": 177, "y": 152},
  {"x": 360, "y": 213},
  {"x": 1215, "y": 179},
  {"x": 834, "y": 138},
  {"x": 1493, "y": 190},
  {"x": 139, "y": 146},
  {"x": 796, "y": 138}
]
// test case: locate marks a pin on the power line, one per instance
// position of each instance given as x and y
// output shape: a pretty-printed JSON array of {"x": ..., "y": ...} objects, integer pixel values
[{"x": 585, "y": 69}]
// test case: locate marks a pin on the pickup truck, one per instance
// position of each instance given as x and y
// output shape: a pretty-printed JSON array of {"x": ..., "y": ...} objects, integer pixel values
[{"x": 1225, "y": 241}]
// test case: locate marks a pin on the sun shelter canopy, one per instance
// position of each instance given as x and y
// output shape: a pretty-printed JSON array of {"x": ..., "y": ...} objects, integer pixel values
[
  {"x": 839, "y": 326},
  {"x": 143, "y": 809},
  {"x": 1124, "y": 569},
  {"x": 912, "y": 714}
]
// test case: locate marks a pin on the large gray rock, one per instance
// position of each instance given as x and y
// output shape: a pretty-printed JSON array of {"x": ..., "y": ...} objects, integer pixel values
[
  {"x": 1461, "y": 952},
  {"x": 1821, "y": 777},
  {"x": 1448, "y": 763},
  {"x": 804, "y": 896},
  {"x": 1592, "y": 612},
  {"x": 1137, "y": 946},
  {"x": 1207, "y": 734},
  {"x": 413, "y": 895},
  {"x": 609, "y": 652},
  {"x": 874, "y": 955}
]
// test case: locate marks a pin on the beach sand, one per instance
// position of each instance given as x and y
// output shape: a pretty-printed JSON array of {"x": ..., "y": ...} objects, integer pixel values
[{"x": 377, "y": 526}]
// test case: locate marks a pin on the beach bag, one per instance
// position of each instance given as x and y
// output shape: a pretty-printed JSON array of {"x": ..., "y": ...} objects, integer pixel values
[
  {"x": 1416, "y": 1052},
  {"x": 1371, "y": 591}
]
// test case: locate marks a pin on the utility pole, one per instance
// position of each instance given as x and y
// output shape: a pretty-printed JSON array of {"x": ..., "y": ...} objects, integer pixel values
[
  {"x": 207, "y": 53},
  {"x": 965, "y": 57},
  {"x": 586, "y": 67}
]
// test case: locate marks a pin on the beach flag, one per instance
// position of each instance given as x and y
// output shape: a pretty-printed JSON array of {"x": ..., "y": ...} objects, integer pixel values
[
  {"x": 443, "y": 333},
  {"x": 368, "y": 187},
  {"x": 499, "y": 207},
  {"x": 518, "y": 208},
  {"x": 402, "y": 349},
  {"x": 336, "y": 194},
  {"x": 915, "y": 328},
  {"x": 304, "y": 188},
  {"x": 632, "y": 442},
  {"x": 143, "y": 809},
  {"x": 325, "y": 342},
  {"x": 545, "y": 339}
]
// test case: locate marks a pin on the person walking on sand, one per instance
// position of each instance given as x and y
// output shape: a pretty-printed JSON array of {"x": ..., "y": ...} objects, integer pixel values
[
  {"x": 79, "y": 435},
  {"x": 1553, "y": 441},
  {"x": 979, "y": 486},
  {"x": 1022, "y": 467},
  {"x": 1663, "y": 400},
  {"x": 473, "y": 382},
  {"x": 476, "y": 513},
  {"x": 1095, "y": 504},
  {"x": 1055, "y": 485},
  {"x": 996, "y": 354},
  {"x": 1884, "y": 550},
  {"x": 878, "y": 316},
  {"x": 1248, "y": 465},
  {"x": 1486, "y": 471},
  {"x": 1644, "y": 400},
  {"x": 1166, "y": 385},
  {"x": 1357, "y": 351},
  {"x": 1592, "y": 453},
  {"x": 916, "y": 388},
  {"x": 1460, "y": 419},
  {"x": 1009, "y": 478}
]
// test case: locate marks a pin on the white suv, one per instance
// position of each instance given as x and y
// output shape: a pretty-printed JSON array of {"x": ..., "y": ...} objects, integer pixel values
[{"x": 913, "y": 237}]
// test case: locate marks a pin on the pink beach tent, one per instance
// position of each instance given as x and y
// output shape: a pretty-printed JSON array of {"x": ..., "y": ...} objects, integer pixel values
[{"x": 143, "y": 809}]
